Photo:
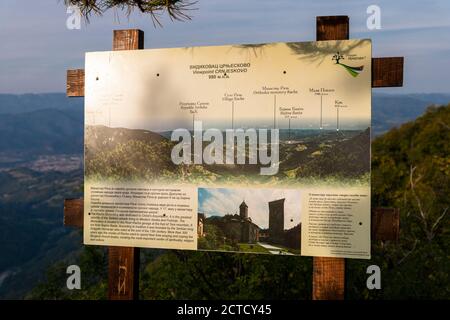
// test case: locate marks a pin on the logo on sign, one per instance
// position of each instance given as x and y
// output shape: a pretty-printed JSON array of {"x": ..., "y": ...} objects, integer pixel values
[{"x": 354, "y": 71}]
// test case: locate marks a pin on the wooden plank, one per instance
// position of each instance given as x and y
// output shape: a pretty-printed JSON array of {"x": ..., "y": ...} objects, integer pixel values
[
  {"x": 328, "y": 278},
  {"x": 332, "y": 28},
  {"x": 123, "y": 269},
  {"x": 123, "y": 273},
  {"x": 130, "y": 39},
  {"x": 75, "y": 83},
  {"x": 329, "y": 273},
  {"x": 387, "y": 72},
  {"x": 73, "y": 212},
  {"x": 385, "y": 221},
  {"x": 385, "y": 224}
]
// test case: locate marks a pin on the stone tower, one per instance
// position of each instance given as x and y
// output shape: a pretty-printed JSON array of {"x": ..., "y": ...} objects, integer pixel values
[
  {"x": 276, "y": 221},
  {"x": 243, "y": 210}
]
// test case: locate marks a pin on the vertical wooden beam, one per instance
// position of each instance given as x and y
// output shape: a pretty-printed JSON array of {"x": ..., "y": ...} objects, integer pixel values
[
  {"x": 123, "y": 271},
  {"x": 332, "y": 28},
  {"x": 329, "y": 273},
  {"x": 328, "y": 278},
  {"x": 130, "y": 39}
]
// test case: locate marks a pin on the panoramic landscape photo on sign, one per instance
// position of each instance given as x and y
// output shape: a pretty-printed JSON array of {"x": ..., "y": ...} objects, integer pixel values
[{"x": 261, "y": 148}]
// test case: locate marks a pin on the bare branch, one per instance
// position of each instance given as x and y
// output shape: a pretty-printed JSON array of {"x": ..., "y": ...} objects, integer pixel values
[
  {"x": 438, "y": 220},
  {"x": 412, "y": 183},
  {"x": 423, "y": 214},
  {"x": 409, "y": 252},
  {"x": 444, "y": 125}
]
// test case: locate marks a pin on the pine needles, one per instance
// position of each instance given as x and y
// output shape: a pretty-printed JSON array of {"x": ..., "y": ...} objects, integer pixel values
[{"x": 177, "y": 10}]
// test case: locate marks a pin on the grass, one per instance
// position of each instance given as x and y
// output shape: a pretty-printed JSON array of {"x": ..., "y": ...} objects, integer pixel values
[
  {"x": 248, "y": 247},
  {"x": 290, "y": 250},
  {"x": 286, "y": 249}
]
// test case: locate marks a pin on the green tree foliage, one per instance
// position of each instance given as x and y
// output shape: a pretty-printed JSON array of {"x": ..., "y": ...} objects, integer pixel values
[
  {"x": 213, "y": 238},
  {"x": 411, "y": 171},
  {"x": 213, "y": 275},
  {"x": 93, "y": 265},
  {"x": 133, "y": 160}
]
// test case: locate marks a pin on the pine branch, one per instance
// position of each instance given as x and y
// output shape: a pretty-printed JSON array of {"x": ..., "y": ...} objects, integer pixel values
[{"x": 177, "y": 10}]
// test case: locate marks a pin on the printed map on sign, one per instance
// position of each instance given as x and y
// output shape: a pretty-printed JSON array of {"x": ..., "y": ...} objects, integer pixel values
[{"x": 245, "y": 148}]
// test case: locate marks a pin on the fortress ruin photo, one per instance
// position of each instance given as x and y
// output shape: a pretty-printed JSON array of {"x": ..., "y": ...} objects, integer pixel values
[{"x": 237, "y": 232}]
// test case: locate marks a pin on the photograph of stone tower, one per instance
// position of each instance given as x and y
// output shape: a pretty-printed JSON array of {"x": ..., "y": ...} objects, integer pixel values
[
  {"x": 249, "y": 220},
  {"x": 276, "y": 221}
]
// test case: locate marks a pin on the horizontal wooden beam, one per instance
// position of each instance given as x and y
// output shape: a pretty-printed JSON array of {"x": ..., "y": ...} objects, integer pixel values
[
  {"x": 74, "y": 212},
  {"x": 387, "y": 72},
  {"x": 385, "y": 224},
  {"x": 75, "y": 83},
  {"x": 385, "y": 221}
]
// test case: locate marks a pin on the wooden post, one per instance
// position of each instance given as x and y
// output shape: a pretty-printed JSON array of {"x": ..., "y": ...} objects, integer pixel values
[
  {"x": 328, "y": 273},
  {"x": 123, "y": 272},
  {"x": 328, "y": 278},
  {"x": 131, "y": 39},
  {"x": 332, "y": 28}
]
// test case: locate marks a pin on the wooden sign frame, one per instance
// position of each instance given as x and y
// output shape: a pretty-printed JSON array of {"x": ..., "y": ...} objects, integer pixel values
[{"x": 328, "y": 273}]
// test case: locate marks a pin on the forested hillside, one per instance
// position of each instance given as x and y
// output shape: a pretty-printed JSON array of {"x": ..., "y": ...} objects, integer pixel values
[{"x": 410, "y": 170}]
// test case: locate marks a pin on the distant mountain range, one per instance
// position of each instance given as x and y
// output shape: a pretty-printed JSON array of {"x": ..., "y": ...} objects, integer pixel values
[
  {"x": 22, "y": 103},
  {"x": 392, "y": 110},
  {"x": 33, "y": 125},
  {"x": 32, "y": 234},
  {"x": 44, "y": 131},
  {"x": 36, "y": 124}
]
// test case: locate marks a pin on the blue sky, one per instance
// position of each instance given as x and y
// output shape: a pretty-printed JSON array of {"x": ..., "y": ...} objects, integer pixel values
[{"x": 37, "y": 47}]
